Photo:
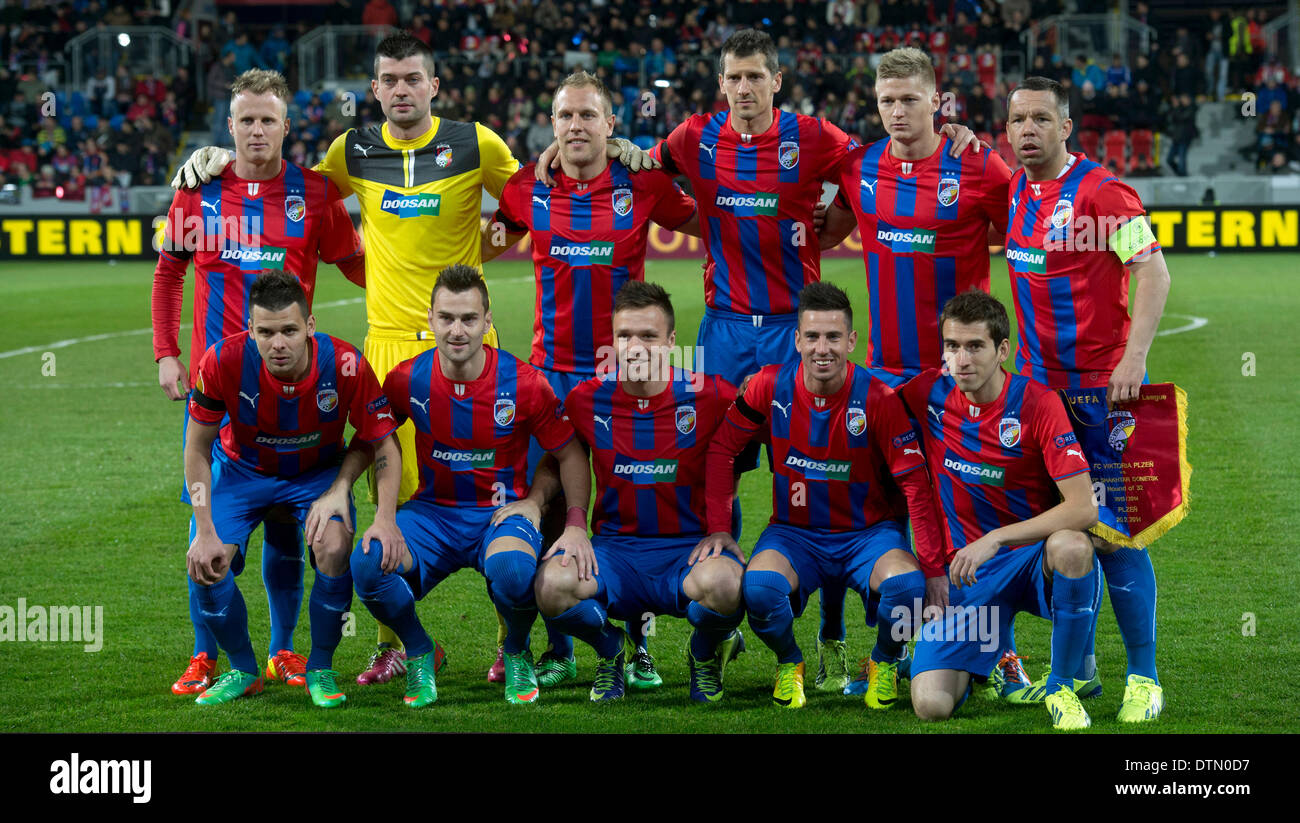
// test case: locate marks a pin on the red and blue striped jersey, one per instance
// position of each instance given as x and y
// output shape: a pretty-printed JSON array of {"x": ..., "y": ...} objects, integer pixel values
[
  {"x": 756, "y": 195},
  {"x": 472, "y": 437},
  {"x": 924, "y": 227},
  {"x": 588, "y": 239},
  {"x": 649, "y": 453},
  {"x": 835, "y": 458},
  {"x": 285, "y": 429},
  {"x": 1069, "y": 284},
  {"x": 994, "y": 464},
  {"x": 234, "y": 229}
]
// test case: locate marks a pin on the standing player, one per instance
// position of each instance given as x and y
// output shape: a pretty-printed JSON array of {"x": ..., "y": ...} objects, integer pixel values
[
  {"x": 1074, "y": 234},
  {"x": 925, "y": 218},
  {"x": 261, "y": 213},
  {"x": 281, "y": 395},
  {"x": 756, "y": 173},
  {"x": 1016, "y": 497},
  {"x": 842, "y": 448},
  {"x": 474, "y": 408},
  {"x": 588, "y": 237}
]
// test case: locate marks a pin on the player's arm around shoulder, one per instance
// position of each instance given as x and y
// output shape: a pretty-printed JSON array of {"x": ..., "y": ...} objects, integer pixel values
[
  {"x": 496, "y": 164},
  {"x": 334, "y": 164}
]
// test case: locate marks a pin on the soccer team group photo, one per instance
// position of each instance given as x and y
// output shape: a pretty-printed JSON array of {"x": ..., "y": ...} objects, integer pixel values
[{"x": 899, "y": 435}]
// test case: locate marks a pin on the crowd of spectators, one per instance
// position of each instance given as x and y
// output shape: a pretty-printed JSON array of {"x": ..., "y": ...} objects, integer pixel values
[{"x": 499, "y": 61}]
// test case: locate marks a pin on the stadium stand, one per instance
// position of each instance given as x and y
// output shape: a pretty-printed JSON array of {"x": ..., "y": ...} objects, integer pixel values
[{"x": 1136, "y": 112}]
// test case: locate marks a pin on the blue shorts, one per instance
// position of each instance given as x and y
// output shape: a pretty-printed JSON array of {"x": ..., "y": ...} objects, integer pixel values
[
  {"x": 241, "y": 498},
  {"x": 969, "y": 638},
  {"x": 734, "y": 346},
  {"x": 562, "y": 382},
  {"x": 640, "y": 575},
  {"x": 821, "y": 558},
  {"x": 446, "y": 539}
]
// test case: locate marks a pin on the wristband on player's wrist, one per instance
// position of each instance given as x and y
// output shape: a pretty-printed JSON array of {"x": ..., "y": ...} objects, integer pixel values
[{"x": 576, "y": 516}]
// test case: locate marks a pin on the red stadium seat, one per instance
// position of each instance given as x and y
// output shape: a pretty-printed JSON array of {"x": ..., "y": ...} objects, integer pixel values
[
  {"x": 1116, "y": 143},
  {"x": 1090, "y": 142},
  {"x": 1143, "y": 141}
]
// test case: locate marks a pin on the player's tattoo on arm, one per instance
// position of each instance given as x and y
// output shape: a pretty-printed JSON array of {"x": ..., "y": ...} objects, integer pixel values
[{"x": 381, "y": 463}]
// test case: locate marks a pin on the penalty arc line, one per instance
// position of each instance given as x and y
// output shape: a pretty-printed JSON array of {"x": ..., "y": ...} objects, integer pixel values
[{"x": 1194, "y": 324}]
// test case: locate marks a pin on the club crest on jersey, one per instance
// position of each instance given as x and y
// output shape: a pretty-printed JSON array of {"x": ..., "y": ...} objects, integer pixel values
[
  {"x": 1121, "y": 425},
  {"x": 949, "y": 189},
  {"x": 788, "y": 154},
  {"x": 1009, "y": 431},
  {"x": 1062, "y": 214},
  {"x": 685, "y": 419},
  {"x": 442, "y": 155},
  {"x": 622, "y": 201},
  {"x": 295, "y": 208},
  {"x": 327, "y": 400},
  {"x": 504, "y": 412},
  {"x": 856, "y": 421}
]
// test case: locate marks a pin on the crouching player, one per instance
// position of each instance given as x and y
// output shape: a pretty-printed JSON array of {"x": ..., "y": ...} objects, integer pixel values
[
  {"x": 289, "y": 393},
  {"x": 842, "y": 447},
  {"x": 1017, "y": 499},
  {"x": 648, "y": 428},
  {"x": 474, "y": 408}
]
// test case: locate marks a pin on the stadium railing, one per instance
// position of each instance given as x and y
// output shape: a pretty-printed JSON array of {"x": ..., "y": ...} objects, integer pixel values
[
  {"x": 1283, "y": 35},
  {"x": 146, "y": 49},
  {"x": 1093, "y": 34}
]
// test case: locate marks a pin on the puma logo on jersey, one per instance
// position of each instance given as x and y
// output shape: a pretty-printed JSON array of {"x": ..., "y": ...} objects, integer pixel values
[
  {"x": 871, "y": 187},
  {"x": 916, "y": 452},
  {"x": 1074, "y": 451},
  {"x": 252, "y": 401},
  {"x": 545, "y": 201},
  {"x": 363, "y": 150},
  {"x": 212, "y": 205},
  {"x": 382, "y": 415},
  {"x": 604, "y": 421},
  {"x": 424, "y": 407},
  {"x": 710, "y": 149},
  {"x": 938, "y": 413},
  {"x": 784, "y": 409}
]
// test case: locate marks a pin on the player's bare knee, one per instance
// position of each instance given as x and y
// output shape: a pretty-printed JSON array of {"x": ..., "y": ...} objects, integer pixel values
[
  {"x": 332, "y": 557},
  {"x": 932, "y": 704},
  {"x": 556, "y": 587},
  {"x": 1069, "y": 552},
  {"x": 715, "y": 584}
]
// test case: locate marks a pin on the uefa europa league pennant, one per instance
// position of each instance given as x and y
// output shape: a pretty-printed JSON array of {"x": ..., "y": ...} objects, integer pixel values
[{"x": 1137, "y": 453}]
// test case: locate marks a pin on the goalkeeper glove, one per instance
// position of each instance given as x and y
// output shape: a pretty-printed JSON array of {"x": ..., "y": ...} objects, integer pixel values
[
  {"x": 204, "y": 164},
  {"x": 627, "y": 153}
]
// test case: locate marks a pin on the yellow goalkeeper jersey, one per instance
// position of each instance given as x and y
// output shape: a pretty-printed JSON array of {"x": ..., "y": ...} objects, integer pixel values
[{"x": 420, "y": 210}]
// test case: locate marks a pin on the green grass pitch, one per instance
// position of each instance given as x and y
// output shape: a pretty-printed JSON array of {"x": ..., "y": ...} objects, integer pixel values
[{"x": 91, "y": 461}]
